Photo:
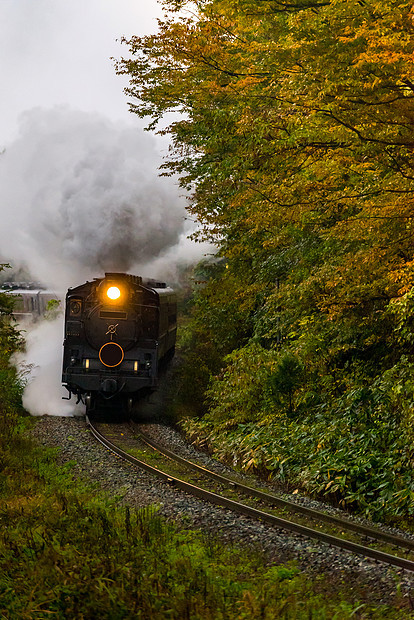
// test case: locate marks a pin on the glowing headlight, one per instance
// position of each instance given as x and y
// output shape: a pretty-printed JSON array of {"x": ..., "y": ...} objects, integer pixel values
[{"x": 113, "y": 292}]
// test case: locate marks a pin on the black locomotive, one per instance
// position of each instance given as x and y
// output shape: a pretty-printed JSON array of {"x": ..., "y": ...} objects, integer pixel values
[{"x": 120, "y": 331}]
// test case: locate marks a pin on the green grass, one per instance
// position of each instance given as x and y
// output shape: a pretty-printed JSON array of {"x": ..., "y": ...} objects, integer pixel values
[{"x": 68, "y": 551}]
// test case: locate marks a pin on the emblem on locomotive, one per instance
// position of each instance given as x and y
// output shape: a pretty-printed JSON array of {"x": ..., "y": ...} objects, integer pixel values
[
  {"x": 112, "y": 330},
  {"x": 111, "y": 354}
]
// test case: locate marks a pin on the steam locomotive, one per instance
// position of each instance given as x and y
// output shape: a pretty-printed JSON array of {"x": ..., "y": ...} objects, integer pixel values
[{"x": 120, "y": 332}]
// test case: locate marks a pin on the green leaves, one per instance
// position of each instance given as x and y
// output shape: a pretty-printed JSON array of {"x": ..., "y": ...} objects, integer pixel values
[
  {"x": 286, "y": 378},
  {"x": 362, "y": 463},
  {"x": 296, "y": 144}
]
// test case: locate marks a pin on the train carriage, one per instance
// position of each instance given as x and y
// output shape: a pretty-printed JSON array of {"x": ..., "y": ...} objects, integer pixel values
[{"x": 31, "y": 303}]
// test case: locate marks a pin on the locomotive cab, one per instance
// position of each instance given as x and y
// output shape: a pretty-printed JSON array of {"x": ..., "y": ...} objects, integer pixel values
[{"x": 119, "y": 332}]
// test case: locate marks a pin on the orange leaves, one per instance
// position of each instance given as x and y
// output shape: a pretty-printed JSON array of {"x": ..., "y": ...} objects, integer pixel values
[{"x": 295, "y": 120}]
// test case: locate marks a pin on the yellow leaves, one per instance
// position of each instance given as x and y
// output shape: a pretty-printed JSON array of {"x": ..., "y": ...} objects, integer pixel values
[{"x": 295, "y": 120}]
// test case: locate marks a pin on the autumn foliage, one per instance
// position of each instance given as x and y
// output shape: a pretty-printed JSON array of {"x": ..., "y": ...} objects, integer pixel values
[{"x": 295, "y": 140}]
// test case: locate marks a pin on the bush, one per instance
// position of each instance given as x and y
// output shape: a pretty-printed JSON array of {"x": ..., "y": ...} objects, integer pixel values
[{"x": 352, "y": 450}]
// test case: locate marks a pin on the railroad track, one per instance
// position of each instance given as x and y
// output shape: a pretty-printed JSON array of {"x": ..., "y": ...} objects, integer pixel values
[{"x": 343, "y": 524}]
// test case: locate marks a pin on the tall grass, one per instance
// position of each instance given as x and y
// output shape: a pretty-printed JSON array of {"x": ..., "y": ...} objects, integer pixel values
[{"x": 67, "y": 551}]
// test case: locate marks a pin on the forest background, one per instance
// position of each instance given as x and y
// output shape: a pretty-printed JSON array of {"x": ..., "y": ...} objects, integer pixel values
[{"x": 295, "y": 140}]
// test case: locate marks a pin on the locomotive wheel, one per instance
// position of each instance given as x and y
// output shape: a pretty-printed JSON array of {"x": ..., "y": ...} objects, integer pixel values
[{"x": 127, "y": 405}]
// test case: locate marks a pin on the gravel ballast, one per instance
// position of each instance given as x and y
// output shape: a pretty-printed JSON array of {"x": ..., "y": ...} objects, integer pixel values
[{"x": 93, "y": 463}]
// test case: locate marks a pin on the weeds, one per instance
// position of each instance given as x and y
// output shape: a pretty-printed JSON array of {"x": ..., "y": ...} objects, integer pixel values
[{"x": 67, "y": 552}]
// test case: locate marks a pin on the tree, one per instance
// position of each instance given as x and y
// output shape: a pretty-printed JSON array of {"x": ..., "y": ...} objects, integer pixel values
[{"x": 295, "y": 140}]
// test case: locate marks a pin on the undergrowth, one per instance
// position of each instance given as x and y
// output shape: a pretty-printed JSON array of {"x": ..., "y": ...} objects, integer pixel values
[
  {"x": 354, "y": 448},
  {"x": 67, "y": 551}
]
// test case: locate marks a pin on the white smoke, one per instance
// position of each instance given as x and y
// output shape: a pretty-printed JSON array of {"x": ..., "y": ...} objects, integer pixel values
[
  {"x": 44, "y": 392},
  {"x": 184, "y": 253},
  {"x": 81, "y": 195}
]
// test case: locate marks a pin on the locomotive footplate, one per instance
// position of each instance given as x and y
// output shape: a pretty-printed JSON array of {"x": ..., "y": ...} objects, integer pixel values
[{"x": 91, "y": 382}]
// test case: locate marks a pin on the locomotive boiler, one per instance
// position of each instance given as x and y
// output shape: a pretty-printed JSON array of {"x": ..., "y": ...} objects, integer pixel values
[{"x": 120, "y": 332}]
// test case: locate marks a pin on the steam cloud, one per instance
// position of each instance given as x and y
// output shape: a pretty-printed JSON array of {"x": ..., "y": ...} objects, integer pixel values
[
  {"x": 81, "y": 195},
  {"x": 44, "y": 392}
]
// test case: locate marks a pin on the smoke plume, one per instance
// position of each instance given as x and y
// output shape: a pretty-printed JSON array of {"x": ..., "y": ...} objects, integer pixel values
[
  {"x": 43, "y": 393},
  {"x": 81, "y": 195}
]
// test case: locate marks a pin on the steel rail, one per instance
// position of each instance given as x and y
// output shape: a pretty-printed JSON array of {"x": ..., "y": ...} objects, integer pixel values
[
  {"x": 274, "y": 500},
  {"x": 265, "y": 517}
]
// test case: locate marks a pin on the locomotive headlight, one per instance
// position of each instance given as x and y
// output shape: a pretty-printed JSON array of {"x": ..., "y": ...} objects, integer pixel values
[{"x": 113, "y": 293}]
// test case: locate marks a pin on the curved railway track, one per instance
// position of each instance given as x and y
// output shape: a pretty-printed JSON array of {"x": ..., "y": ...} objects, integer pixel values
[{"x": 266, "y": 517}]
